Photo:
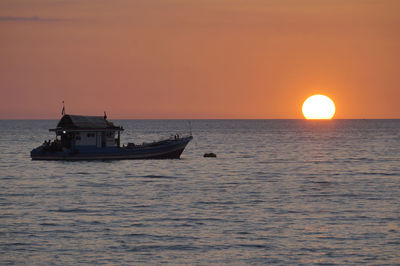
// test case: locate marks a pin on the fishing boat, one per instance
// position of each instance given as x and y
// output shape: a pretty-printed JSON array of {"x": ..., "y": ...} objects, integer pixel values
[{"x": 95, "y": 138}]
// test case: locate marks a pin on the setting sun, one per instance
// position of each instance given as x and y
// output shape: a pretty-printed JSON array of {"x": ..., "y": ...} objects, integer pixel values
[{"x": 318, "y": 107}]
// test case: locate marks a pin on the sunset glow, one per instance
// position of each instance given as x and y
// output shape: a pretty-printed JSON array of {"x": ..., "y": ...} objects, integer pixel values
[
  {"x": 198, "y": 59},
  {"x": 318, "y": 107}
]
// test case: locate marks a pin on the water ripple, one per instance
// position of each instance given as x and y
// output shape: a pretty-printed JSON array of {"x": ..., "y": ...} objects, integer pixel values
[{"x": 283, "y": 192}]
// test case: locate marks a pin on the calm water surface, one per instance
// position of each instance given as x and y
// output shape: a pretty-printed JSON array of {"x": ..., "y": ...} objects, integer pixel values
[{"x": 280, "y": 192}]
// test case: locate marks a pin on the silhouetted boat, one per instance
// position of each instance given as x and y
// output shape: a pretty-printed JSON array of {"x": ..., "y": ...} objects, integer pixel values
[{"x": 95, "y": 138}]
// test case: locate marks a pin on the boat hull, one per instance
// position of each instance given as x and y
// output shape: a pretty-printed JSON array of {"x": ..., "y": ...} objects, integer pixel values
[{"x": 166, "y": 149}]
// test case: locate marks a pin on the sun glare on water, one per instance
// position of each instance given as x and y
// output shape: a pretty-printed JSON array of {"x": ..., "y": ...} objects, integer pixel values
[{"x": 318, "y": 107}]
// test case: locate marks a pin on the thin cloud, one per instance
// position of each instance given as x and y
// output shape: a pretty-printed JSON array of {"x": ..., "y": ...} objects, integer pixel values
[{"x": 30, "y": 19}]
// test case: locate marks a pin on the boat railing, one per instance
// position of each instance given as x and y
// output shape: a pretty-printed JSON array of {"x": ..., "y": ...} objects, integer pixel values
[{"x": 163, "y": 141}]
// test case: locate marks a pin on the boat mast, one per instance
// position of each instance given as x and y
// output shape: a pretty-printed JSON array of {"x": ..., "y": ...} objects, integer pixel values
[{"x": 63, "y": 109}]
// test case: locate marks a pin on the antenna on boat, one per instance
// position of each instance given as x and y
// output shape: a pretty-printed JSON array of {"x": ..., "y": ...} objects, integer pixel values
[
  {"x": 63, "y": 110},
  {"x": 190, "y": 127}
]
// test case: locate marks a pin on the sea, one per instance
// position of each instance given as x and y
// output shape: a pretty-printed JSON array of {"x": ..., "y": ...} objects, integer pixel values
[{"x": 279, "y": 192}]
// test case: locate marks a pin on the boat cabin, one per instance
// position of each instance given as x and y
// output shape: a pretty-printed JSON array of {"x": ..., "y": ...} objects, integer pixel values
[{"x": 74, "y": 131}]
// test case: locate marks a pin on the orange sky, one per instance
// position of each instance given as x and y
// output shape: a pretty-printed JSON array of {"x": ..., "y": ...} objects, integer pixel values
[{"x": 198, "y": 59}]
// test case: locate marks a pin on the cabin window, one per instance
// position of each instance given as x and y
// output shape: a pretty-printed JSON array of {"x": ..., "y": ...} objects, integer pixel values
[{"x": 90, "y": 135}]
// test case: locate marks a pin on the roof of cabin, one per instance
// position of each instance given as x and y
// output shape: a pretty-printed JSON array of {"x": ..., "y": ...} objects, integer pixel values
[{"x": 85, "y": 122}]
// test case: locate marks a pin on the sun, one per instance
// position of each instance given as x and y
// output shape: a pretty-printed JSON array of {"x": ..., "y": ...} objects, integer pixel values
[{"x": 318, "y": 107}]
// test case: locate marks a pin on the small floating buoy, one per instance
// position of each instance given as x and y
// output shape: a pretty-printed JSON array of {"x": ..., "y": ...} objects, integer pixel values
[{"x": 211, "y": 154}]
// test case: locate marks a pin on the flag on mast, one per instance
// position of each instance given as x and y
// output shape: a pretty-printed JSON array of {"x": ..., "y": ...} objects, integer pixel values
[{"x": 63, "y": 110}]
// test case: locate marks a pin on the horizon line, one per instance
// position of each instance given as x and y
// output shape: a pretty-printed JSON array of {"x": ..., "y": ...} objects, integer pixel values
[{"x": 9, "y": 119}]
